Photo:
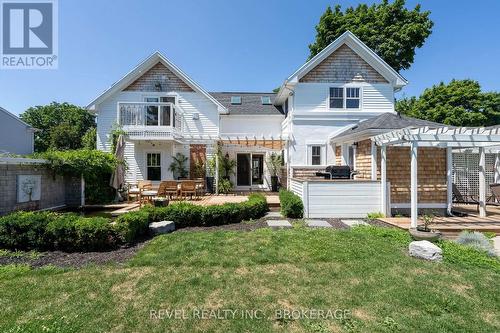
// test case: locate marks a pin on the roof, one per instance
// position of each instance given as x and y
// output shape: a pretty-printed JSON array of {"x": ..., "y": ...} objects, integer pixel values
[
  {"x": 384, "y": 123},
  {"x": 367, "y": 54},
  {"x": 144, "y": 66},
  {"x": 13, "y": 116},
  {"x": 251, "y": 103}
]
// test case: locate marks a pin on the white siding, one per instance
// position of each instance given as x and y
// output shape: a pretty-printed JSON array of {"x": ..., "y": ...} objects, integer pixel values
[
  {"x": 268, "y": 125},
  {"x": 15, "y": 137},
  {"x": 378, "y": 98},
  {"x": 333, "y": 199}
]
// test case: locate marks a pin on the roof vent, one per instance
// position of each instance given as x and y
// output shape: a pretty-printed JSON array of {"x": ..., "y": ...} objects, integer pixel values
[
  {"x": 266, "y": 100},
  {"x": 235, "y": 100}
]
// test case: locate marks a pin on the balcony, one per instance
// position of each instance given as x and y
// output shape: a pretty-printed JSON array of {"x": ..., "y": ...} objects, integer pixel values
[{"x": 150, "y": 121}]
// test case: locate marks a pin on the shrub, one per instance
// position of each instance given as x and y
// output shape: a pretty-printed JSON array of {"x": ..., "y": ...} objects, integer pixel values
[
  {"x": 291, "y": 204},
  {"x": 131, "y": 226},
  {"x": 25, "y": 230},
  {"x": 476, "y": 240},
  {"x": 454, "y": 252},
  {"x": 374, "y": 216}
]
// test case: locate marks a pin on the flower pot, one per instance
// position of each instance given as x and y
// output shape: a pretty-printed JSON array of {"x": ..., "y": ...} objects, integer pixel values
[
  {"x": 428, "y": 235},
  {"x": 274, "y": 183}
]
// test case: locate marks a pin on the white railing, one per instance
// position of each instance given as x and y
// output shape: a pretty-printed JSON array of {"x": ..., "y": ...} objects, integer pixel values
[{"x": 147, "y": 120}]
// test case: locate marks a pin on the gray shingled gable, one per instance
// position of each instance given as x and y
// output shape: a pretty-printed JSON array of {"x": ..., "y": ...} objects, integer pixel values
[
  {"x": 250, "y": 103},
  {"x": 388, "y": 121}
]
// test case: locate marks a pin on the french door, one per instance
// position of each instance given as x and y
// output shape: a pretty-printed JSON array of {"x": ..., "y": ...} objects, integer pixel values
[{"x": 249, "y": 169}]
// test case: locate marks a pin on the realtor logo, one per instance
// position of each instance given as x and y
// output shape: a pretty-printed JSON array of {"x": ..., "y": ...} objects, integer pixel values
[{"x": 28, "y": 32}]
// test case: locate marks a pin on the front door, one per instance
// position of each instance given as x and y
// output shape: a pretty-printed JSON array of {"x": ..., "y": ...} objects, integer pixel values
[{"x": 243, "y": 169}]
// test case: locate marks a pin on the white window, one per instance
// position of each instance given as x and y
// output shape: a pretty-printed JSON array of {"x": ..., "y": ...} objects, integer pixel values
[
  {"x": 344, "y": 98},
  {"x": 336, "y": 98},
  {"x": 352, "y": 98},
  {"x": 161, "y": 115},
  {"x": 315, "y": 155},
  {"x": 235, "y": 100},
  {"x": 266, "y": 100},
  {"x": 153, "y": 166}
]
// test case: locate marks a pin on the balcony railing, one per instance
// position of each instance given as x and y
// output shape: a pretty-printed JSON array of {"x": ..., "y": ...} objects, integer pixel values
[{"x": 147, "y": 120}]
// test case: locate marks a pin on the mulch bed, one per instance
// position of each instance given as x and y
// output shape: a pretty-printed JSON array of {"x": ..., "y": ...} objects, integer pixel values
[
  {"x": 75, "y": 259},
  {"x": 121, "y": 255}
]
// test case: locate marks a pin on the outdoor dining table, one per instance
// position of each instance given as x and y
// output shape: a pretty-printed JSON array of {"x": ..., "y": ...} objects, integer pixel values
[{"x": 148, "y": 195}]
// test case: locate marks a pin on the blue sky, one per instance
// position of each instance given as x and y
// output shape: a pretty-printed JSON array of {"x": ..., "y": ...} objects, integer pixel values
[{"x": 235, "y": 45}]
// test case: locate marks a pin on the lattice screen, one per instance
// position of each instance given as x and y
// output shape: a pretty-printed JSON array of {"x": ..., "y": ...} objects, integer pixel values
[{"x": 466, "y": 172}]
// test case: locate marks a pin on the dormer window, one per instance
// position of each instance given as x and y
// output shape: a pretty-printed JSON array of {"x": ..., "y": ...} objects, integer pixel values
[
  {"x": 235, "y": 100},
  {"x": 266, "y": 100},
  {"x": 352, "y": 98}
]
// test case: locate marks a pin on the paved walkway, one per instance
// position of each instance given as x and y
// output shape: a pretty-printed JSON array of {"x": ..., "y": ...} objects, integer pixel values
[
  {"x": 279, "y": 224},
  {"x": 318, "y": 224}
]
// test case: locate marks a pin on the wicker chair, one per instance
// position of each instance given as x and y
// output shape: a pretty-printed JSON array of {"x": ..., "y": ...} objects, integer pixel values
[
  {"x": 171, "y": 189},
  {"x": 188, "y": 187}
]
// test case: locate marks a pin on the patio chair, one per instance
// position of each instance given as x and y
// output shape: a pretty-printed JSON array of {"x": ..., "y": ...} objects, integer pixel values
[
  {"x": 188, "y": 187},
  {"x": 200, "y": 186},
  {"x": 458, "y": 197},
  {"x": 171, "y": 188},
  {"x": 136, "y": 190},
  {"x": 495, "y": 195}
]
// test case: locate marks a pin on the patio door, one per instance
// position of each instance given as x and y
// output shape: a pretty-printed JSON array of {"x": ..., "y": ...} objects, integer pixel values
[{"x": 249, "y": 169}]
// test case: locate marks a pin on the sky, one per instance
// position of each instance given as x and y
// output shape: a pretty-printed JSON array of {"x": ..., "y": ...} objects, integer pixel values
[{"x": 236, "y": 45}]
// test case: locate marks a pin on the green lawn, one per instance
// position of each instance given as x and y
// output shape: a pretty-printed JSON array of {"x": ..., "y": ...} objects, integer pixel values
[{"x": 367, "y": 274}]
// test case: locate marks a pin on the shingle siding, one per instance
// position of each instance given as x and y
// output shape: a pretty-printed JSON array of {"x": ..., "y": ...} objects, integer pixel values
[
  {"x": 343, "y": 65},
  {"x": 159, "y": 74}
]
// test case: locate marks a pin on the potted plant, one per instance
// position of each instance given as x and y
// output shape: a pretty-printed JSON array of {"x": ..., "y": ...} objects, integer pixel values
[
  {"x": 199, "y": 169},
  {"x": 274, "y": 163},
  {"x": 424, "y": 232},
  {"x": 178, "y": 166},
  {"x": 210, "y": 178},
  {"x": 227, "y": 166}
]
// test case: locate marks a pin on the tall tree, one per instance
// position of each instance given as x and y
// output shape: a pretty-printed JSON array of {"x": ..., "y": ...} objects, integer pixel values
[
  {"x": 389, "y": 29},
  {"x": 458, "y": 103},
  {"x": 60, "y": 125}
]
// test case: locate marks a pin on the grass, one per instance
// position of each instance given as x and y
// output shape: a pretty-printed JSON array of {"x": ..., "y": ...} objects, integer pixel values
[{"x": 365, "y": 271}]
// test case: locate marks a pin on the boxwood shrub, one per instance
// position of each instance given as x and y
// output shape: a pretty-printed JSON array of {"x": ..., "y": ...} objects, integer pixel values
[
  {"x": 291, "y": 204},
  {"x": 71, "y": 232}
]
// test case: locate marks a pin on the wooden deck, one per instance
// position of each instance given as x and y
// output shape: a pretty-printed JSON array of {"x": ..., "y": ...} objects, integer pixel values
[
  {"x": 454, "y": 225},
  {"x": 206, "y": 200}
]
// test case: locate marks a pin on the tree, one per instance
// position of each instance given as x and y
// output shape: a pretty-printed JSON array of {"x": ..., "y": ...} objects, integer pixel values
[
  {"x": 89, "y": 140},
  {"x": 60, "y": 125},
  {"x": 458, "y": 103},
  {"x": 391, "y": 30}
]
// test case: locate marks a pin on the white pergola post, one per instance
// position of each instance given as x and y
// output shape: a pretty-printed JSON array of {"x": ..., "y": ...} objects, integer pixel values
[
  {"x": 414, "y": 184},
  {"x": 482, "y": 182},
  {"x": 374, "y": 160},
  {"x": 217, "y": 172},
  {"x": 344, "y": 152},
  {"x": 383, "y": 179},
  {"x": 497, "y": 168},
  {"x": 449, "y": 179}
]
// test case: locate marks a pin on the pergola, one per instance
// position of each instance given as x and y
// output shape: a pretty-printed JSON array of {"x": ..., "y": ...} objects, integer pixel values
[{"x": 440, "y": 137}]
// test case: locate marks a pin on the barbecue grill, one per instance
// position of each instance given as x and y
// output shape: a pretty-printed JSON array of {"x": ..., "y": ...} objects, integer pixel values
[{"x": 337, "y": 172}]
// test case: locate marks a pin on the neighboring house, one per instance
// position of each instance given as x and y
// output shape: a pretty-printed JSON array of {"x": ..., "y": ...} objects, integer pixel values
[
  {"x": 16, "y": 137},
  {"x": 323, "y": 114}
]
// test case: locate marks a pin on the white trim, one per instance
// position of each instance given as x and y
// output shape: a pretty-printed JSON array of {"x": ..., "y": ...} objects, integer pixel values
[
  {"x": 414, "y": 184},
  {"x": 449, "y": 179},
  {"x": 13, "y": 116},
  {"x": 153, "y": 151},
  {"x": 383, "y": 179},
  {"x": 143, "y": 67},
  {"x": 344, "y": 87},
  {"x": 482, "y": 182},
  {"x": 373, "y": 155},
  {"x": 252, "y": 186},
  {"x": 21, "y": 160},
  {"x": 407, "y": 205}
]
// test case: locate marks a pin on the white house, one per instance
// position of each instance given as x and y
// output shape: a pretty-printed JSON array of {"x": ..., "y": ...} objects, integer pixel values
[
  {"x": 164, "y": 112},
  {"x": 16, "y": 137}
]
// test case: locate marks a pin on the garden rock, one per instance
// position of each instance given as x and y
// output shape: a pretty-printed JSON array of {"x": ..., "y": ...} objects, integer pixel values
[
  {"x": 161, "y": 227},
  {"x": 425, "y": 250}
]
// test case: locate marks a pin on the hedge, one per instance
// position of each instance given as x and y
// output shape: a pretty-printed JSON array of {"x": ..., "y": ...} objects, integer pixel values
[
  {"x": 291, "y": 204},
  {"x": 51, "y": 231},
  {"x": 71, "y": 232}
]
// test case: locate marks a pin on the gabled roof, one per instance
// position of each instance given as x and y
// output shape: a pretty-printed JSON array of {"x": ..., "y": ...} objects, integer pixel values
[
  {"x": 251, "y": 103},
  {"x": 142, "y": 68},
  {"x": 13, "y": 116},
  {"x": 360, "y": 48},
  {"x": 383, "y": 123}
]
